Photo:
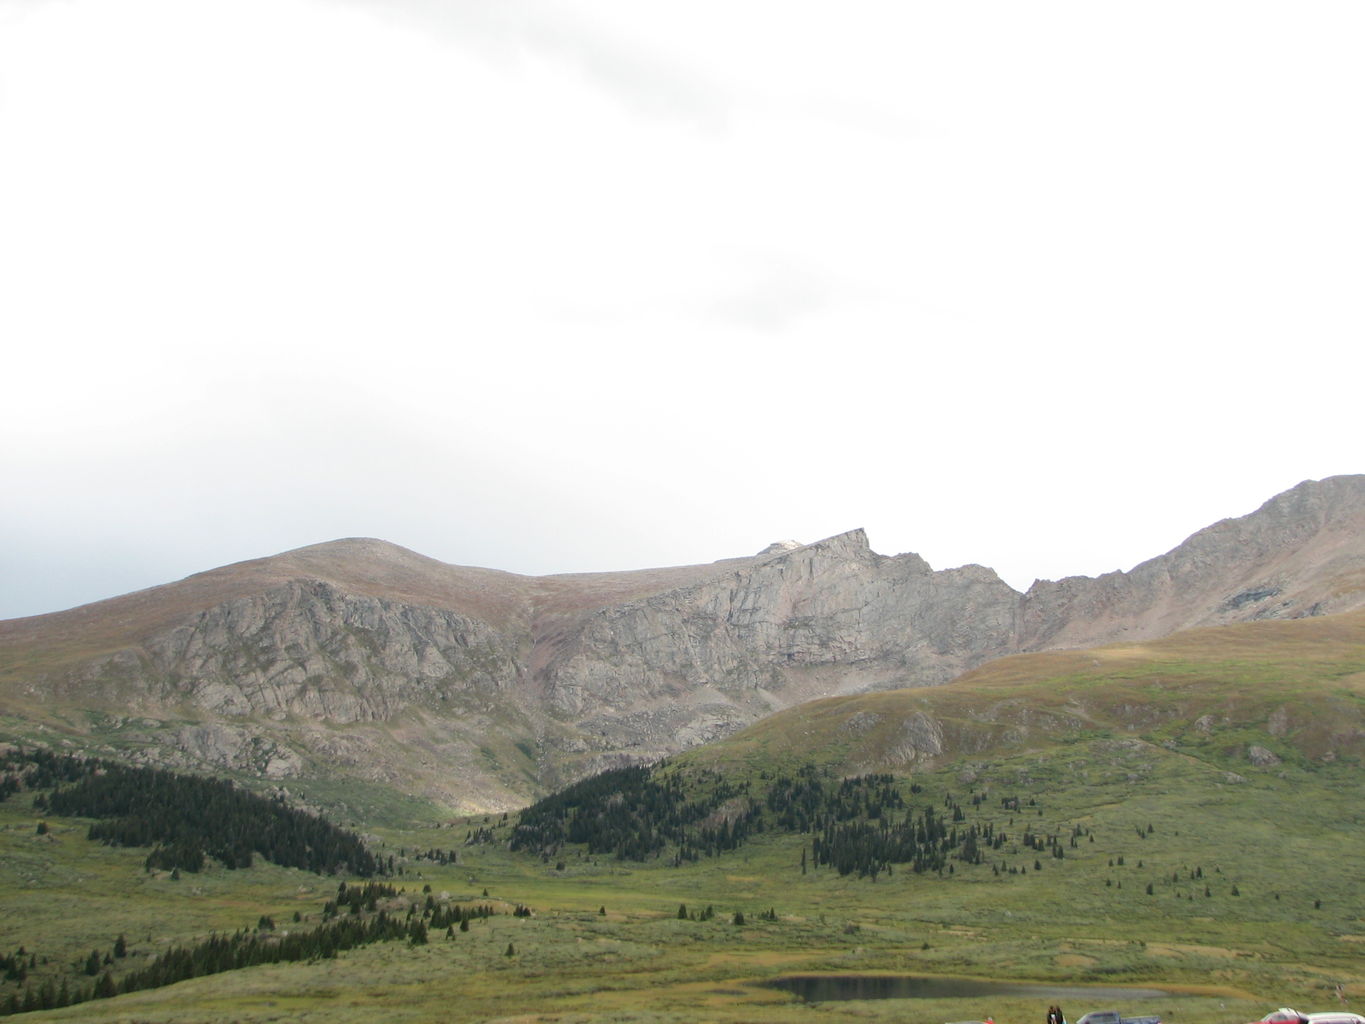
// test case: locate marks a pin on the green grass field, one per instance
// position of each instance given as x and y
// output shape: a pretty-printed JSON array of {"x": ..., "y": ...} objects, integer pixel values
[
  {"x": 1232, "y": 885},
  {"x": 1288, "y": 840}
]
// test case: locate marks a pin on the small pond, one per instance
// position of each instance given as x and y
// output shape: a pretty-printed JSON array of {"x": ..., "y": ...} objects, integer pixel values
[{"x": 819, "y": 988}]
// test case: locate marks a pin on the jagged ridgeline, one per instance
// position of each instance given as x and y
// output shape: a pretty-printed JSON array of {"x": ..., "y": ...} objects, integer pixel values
[
  {"x": 185, "y": 819},
  {"x": 862, "y": 825},
  {"x": 516, "y": 685}
]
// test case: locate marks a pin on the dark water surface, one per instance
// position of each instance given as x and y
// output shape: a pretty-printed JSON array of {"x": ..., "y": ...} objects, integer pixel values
[{"x": 819, "y": 988}]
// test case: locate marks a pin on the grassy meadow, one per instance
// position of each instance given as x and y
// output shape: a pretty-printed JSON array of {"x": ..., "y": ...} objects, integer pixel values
[
  {"x": 1231, "y": 882},
  {"x": 605, "y": 941}
]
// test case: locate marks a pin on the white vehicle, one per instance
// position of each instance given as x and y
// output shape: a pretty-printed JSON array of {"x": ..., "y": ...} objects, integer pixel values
[{"x": 1286, "y": 1015}]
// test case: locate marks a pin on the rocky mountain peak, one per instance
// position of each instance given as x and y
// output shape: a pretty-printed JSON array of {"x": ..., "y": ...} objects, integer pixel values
[
  {"x": 777, "y": 547},
  {"x": 1327, "y": 500},
  {"x": 502, "y": 685},
  {"x": 1301, "y": 553},
  {"x": 849, "y": 547}
]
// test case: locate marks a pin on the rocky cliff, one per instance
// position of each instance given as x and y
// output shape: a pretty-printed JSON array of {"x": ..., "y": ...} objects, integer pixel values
[
  {"x": 478, "y": 688},
  {"x": 1301, "y": 553}
]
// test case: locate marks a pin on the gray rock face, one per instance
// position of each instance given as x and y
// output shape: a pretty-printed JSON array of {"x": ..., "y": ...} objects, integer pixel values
[
  {"x": 921, "y": 738},
  {"x": 826, "y": 618},
  {"x": 481, "y": 689},
  {"x": 1301, "y": 553},
  {"x": 308, "y": 650}
]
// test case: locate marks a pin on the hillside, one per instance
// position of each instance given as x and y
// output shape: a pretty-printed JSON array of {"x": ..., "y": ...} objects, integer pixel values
[
  {"x": 1169, "y": 827},
  {"x": 1237, "y": 697},
  {"x": 364, "y": 663},
  {"x": 1298, "y": 554}
]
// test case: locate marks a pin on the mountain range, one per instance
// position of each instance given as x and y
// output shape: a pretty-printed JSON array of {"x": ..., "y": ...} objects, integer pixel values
[{"x": 361, "y": 662}]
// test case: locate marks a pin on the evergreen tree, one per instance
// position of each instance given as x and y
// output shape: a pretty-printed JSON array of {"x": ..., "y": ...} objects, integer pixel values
[{"x": 185, "y": 818}]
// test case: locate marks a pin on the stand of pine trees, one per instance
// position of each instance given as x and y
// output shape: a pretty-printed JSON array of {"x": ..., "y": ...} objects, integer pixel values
[
  {"x": 799, "y": 803},
  {"x": 251, "y": 947},
  {"x": 633, "y": 814},
  {"x": 861, "y": 825},
  {"x": 185, "y": 818}
]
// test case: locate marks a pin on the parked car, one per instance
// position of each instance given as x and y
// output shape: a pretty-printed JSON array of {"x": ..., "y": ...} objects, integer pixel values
[
  {"x": 1114, "y": 1017},
  {"x": 1286, "y": 1015}
]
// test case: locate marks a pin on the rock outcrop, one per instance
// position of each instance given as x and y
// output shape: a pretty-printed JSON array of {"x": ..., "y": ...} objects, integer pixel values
[
  {"x": 1301, "y": 553},
  {"x": 481, "y": 689}
]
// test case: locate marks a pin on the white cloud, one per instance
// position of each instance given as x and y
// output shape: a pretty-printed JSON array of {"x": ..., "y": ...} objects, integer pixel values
[{"x": 553, "y": 287}]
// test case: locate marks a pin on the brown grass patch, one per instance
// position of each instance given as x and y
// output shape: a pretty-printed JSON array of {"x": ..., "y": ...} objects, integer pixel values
[
  {"x": 1182, "y": 948},
  {"x": 1075, "y": 960}
]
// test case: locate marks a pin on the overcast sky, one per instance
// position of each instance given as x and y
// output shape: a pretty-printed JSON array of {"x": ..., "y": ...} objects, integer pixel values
[{"x": 554, "y": 287}]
